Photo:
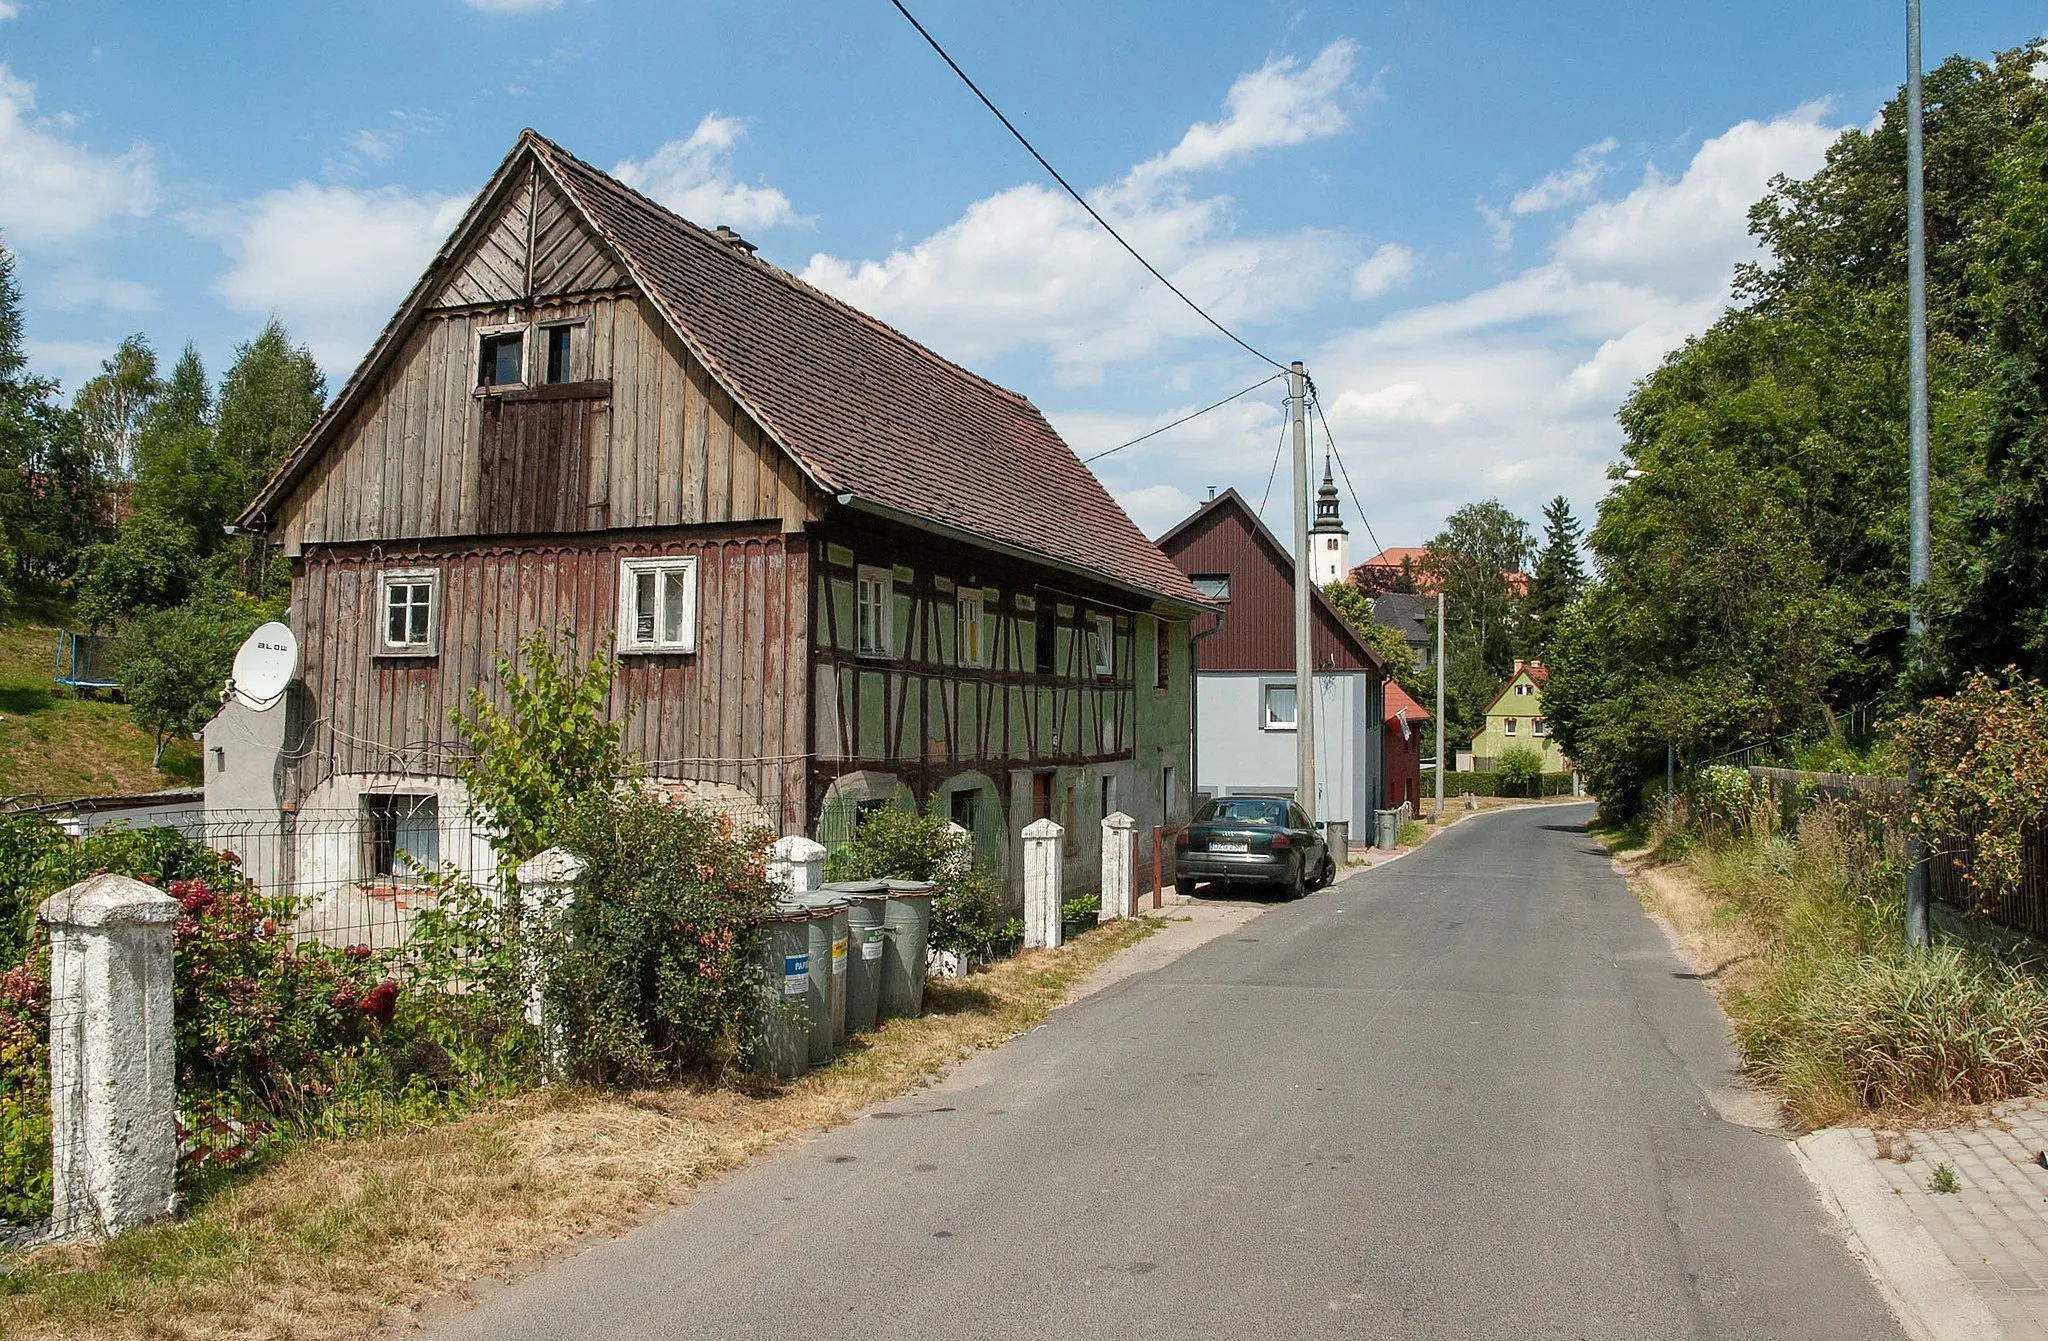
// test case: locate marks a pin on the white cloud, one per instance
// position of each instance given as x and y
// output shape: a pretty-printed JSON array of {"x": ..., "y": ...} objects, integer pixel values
[
  {"x": 1566, "y": 186},
  {"x": 1382, "y": 272},
  {"x": 332, "y": 261},
  {"x": 1026, "y": 267},
  {"x": 512, "y": 6},
  {"x": 693, "y": 177},
  {"x": 8, "y": 10},
  {"x": 1279, "y": 104},
  {"x": 85, "y": 286},
  {"x": 54, "y": 190},
  {"x": 1500, "y": 229},
  {"x": 71, "y": 362}
]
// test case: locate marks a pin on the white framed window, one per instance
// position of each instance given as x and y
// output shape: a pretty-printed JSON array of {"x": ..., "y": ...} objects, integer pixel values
[
  {"x": 1524, "y": 690},
  {"x": 1539, "y": 727},
  {"x": 501, "y": 357},
  {"x": 1509, "y": 728},
  {"x": 976, "y": 631},
  {"x": 658, "y": 605},
  {"x": 874, "y": 611},
  {"x": 409, "y": 612},
  {"x": 1276, "y": 706},
  {"x": 1105, "y": 645}
]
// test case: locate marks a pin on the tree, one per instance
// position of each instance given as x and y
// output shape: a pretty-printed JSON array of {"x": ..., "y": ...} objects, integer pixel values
[
  {"x": 527, "y": 766},
  {"x": 51, "y": 500},
  {"x": 174, "y": 662},
  {"x": 111, "y": 407},
  {"x": 1356, "y": 608},
  {"x": 1560, "y": 577},
  {"x": 182, "y": 471},
  {"x": 1471, "y": 561},
  {"x": 150, "y": 564},
  {"x": 270, "y": 397}
]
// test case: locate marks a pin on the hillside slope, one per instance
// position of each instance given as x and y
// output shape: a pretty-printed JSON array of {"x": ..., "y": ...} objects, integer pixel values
[{"x": 63, "y": 745}]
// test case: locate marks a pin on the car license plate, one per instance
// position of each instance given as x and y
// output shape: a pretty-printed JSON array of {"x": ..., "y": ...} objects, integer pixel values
[{"x": 1230, "y": 847}]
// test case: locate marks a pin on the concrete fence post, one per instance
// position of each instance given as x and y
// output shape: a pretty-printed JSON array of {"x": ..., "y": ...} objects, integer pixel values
[
  {"x": 796, "y": 863},
  {"x": 547, "y": 890},
  {"x": 113, "y": 1096},
  {"x": 1042, "y": 884},
  {"x": 1119, "y": 866}
]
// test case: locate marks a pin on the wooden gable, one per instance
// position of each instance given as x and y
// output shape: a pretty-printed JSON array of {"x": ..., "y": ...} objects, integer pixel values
[{"x": 641, "y": 435}]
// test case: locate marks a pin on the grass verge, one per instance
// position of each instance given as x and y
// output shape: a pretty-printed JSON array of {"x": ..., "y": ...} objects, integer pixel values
[
  {"x": 336, "y": 1235},
  {"x": 1799, "y": 937},
  {"x": 68, "y": 745}
]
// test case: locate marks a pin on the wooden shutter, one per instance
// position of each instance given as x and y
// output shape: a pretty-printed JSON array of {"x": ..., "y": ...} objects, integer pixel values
[{"x": 535, "y": 468}]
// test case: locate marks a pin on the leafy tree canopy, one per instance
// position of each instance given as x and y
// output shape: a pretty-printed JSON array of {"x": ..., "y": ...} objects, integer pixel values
[
  {"x": 150, "y": 564},
  {"x": 1472, "y": 561},
  {"x": 270, "y": 397},
  {"x": 1560, "y": 577},
  {"x": 113, "y": 405}
]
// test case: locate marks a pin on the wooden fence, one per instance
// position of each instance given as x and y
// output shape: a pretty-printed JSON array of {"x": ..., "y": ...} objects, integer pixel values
[{"x": 2024, "y": 909}]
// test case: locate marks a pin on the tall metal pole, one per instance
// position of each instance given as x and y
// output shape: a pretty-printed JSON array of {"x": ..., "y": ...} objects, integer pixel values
[
  {"x": 1304, "y": 578},
  {"x": 1916, "y": 318},
  {"x": 1439, "y": 705}
]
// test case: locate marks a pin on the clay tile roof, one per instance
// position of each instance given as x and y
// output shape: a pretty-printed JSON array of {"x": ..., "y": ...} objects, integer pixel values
[
  {"x": 1398, "y": 698},
  {"x": 866, "y": 409}
]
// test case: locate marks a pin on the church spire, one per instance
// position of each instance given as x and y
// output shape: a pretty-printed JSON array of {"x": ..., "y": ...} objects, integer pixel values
[{"x": 1327, "y": 518}]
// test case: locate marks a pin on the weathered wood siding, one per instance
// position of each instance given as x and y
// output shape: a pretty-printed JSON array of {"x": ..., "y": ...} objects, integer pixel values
[
  {"x": 665, "y": 447},
  {"x": 731, "y": 712}
]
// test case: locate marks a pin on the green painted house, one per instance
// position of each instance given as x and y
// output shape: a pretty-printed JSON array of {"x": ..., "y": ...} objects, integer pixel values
[{"x": 1514, "y": 717}]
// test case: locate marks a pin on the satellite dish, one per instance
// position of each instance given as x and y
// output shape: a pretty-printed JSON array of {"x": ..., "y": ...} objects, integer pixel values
[{"x": 264, "y": 666}]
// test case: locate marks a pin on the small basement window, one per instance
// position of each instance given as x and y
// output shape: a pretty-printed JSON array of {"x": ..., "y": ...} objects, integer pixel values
[
  {"x": 1276, "y": 703},
  {"x": 875, "y": 611},
  {"x": 399, "y": 833},
  {"x": 658, "y": 605},
  {"x": 560, "y": 348},
  {"x": 502, "y": 360},
  {"x": 410, "y": 617}
]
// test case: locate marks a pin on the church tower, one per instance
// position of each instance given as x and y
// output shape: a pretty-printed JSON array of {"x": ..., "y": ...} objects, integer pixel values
[{"x": 1329, "y": 544}]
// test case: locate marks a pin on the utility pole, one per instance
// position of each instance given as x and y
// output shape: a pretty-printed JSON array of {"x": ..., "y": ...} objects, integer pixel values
[
  {"x": 1439, "y": 707},
  {"x": 1304, "y": 578},
  {"x": 1916, "y": 318}
]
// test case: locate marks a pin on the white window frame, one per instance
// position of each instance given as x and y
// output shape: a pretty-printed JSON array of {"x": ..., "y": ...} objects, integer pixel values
[
  {"x": 1105, "y": 646},
  {"x": 526, "y": 343},
  {"x": 972, "y": 607},
  {"x": 683, "y": 640},
  {"x": 409, "y": 577},
  {"x": 1508, "y": 726},
  {"x": 1215, "y": 586},
  {"x": 874, "y": 589},
  {"x": 1267, "y": 721},
  {"x": 1539, "y": 726}
]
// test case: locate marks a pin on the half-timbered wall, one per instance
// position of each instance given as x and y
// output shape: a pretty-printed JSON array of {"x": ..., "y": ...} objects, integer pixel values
[{"x": 732, "y": 712}]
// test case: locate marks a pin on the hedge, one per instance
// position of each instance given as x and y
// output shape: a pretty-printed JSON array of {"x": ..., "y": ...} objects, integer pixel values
[{"x": 1489, "y": 784}]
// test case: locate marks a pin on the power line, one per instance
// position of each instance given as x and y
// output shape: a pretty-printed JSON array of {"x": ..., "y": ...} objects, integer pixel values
[
  {"x": 1183, "y": 419},
  {"x": 1079, "y": 199},
  {"x": 1344, "y": 470}
]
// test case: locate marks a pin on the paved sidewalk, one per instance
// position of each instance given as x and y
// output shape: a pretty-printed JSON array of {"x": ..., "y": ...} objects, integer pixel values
[{"x": 1969, "y": 1263}]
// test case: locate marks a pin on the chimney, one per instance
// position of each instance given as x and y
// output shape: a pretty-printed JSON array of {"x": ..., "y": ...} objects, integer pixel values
[{"x": 725, "y": 234}]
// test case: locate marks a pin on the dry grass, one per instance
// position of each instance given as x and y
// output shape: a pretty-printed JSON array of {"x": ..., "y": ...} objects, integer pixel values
[{"x": 339, "y": 1238}]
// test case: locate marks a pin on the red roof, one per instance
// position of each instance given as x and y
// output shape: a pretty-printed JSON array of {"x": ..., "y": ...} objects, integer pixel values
[
  {"x": 1398, "y": 698},
  {"x": 1397, "y": 556},
  {"x": 862, "y": 407},
  {"x": 1408, "y": 559}
]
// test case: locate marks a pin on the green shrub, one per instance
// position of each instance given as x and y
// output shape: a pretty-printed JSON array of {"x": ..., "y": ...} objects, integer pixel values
[
  {"x": 905, "y": 845},
  {"x": 652, "y": 975},
  {"x": 1412, "y": 833},
  {"x": 1520, "y": 771}
]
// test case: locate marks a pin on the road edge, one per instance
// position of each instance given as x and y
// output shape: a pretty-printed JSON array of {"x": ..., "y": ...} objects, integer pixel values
[{"x": 1924, "y": 1290}]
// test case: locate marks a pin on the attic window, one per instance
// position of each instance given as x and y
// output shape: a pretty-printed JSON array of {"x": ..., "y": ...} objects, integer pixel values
[
  {"x": 1216, "y": 586},
  {"x": 559, "y": 343},
  {"x": 502, "y": 360}
]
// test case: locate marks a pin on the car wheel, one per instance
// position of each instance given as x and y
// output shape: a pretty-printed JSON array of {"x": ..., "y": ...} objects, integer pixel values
[
  {"x": 1328, "y": 875},
  {"x": 1184, "y": 885},
  {"x": 1297, "y": 885}
]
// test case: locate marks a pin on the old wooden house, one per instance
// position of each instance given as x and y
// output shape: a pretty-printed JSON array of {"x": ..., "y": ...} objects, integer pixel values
[{"x": 837, "y": 569}]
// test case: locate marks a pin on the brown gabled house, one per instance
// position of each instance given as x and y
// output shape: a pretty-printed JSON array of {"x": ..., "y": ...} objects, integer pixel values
[{"x": 837, "y": 569}]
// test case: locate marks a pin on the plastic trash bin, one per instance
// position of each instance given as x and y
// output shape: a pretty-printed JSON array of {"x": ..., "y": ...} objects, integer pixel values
[
  {"x": 818, "y": 995},
  {"x": 866, "y": 902},
  {"x": 834, "y": 920},
  {"x": 784, "y": 1045},
  {"x": 906, "y": 928},
  {"x": 1386, "y": 828}
]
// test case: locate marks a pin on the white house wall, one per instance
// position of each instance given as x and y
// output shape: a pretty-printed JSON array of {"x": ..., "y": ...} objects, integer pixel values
[{"x": 1235, "y": 753}]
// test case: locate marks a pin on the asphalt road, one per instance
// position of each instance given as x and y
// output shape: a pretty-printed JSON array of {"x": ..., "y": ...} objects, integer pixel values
[{"x": 1470, "y": 1094}]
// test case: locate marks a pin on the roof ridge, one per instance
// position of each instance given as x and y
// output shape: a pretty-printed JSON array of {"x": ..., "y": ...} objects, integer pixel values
[{"x": 789, "y": 277}]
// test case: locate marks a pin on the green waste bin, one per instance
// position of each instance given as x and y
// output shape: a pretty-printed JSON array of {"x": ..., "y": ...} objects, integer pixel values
[
  {"x": 784, "y": 1044},
  {"x": 906, "y": 927},
  {"x": 866, "y": 900},
  {"x": 833, "y": 909},
  {"x": 818, "y": 994}
]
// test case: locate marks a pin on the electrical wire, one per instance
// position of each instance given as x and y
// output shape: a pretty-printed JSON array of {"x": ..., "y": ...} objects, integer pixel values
[
  {"x": 1183, "y": 419},
  {"x": 1079, "y": 199},
  {"x": 1331, "y": 442}
]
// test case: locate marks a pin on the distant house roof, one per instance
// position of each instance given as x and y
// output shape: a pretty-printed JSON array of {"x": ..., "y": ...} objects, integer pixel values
[
  {"x": 864, "y": 409},
  {"x": 1407, "y": 559},
  {"x": 1399, "y": 701},
  {"x": 1407, "y": 613}
]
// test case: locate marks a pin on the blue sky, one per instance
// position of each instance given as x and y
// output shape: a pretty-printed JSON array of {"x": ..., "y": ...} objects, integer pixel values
[{"x": 1477, "y": 222}]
